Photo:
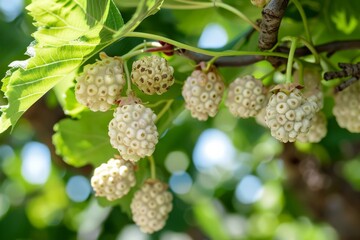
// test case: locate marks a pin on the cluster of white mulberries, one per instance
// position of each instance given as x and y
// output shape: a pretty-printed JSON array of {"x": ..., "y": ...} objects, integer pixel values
[
  {"x": 132, "y": 132},
  {"x": 290, "y": 113}
]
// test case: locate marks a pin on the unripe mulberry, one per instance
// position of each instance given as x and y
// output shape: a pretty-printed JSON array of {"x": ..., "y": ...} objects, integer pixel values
[
  {"x": 317, "y": 130},
  {"x": 288, "y": 114},
  {"x": 100, "y": 84},
  {"x": 152, "y": 74},
  {"x": 151, "y": 206},
  {"x": 245, "y": 97},
  {"x": 347, "y": 108},
  {"x": 113, "y": 179},
  {"x": 202, "y": 92},
  {"x": 133, "y": 132}
]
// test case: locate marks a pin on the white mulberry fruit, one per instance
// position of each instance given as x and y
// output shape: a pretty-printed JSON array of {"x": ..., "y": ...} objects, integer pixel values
[
  {"x": 245, "y": 97},
  {"x": 100, "y": 84},
  {"x": 151, "y": 206},
  {"x": 202, "y": 92},
  {"x": 347, "y": 108},
  {"x": 317, "y": 130},
  {"x": 152, "y": 74},
  {"x": 316, "y": 96},
  {"x": 133, "y": 132},
  {"x": 113, "y": 179},
  {"x": 288, "y": 114},
  {"x": 260, "y": 117}
]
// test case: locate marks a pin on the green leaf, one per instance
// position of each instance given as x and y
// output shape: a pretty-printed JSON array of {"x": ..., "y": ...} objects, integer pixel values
[
  {"x": 71, "y": 106},
  {"x": 145, "y": 8},
  {"x": 84, "y": 141},
  {"x": 69, "y": 33}
]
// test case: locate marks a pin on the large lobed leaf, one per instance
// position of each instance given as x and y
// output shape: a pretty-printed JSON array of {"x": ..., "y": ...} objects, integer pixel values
[{"x": 69, "y": 32}]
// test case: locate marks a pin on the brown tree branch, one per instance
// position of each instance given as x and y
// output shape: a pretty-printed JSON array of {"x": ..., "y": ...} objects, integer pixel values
[
  {"x": 237, "y": 61},
  {"x": 348, "y": 69},
  {"x": 346, "y": 84},
  {"x": 272, "y": 15}
]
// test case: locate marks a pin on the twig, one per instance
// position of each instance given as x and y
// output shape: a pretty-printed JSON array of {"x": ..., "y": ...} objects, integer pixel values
[
  {"x": 348, "y": 69},
  {"x": 346, "y": 84},
  {"x": 222, "y": 61}
]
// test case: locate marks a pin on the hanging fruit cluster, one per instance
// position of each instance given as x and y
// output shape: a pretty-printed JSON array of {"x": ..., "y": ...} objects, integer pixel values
[
  {"x": 291, "y": 112},
  {"x": 132, "y": 132}
]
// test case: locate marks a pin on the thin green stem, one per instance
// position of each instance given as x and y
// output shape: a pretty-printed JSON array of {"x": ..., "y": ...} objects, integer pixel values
[
  {"x": 238, "y": 13},
  {"x": 178, "y": 82},
  {"x": 304, "y": 19},
  {"x": 290, "y": 59},
  {"x": 301, "y": 74},
  {"x": 214, "y": 3},
  {"x": 192, "y": 2},
  {"x": 183, "y": 7},
  {"x": 158, "y": 103},
  {"x": 202, "y": 51},
  {"x": 145, "y": 46},
  {"x": 152, "y": 167},
  {"x": 311, "y": 48},
  {"x": 164, "y": 110},
  {"x": 128, "y": 80},
  {"x": 210, "y": 63},
  {"x": 132, "y": 54}
]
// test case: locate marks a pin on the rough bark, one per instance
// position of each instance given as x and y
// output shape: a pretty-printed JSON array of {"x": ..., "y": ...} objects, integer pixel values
[{"x": 272, "y": 15}]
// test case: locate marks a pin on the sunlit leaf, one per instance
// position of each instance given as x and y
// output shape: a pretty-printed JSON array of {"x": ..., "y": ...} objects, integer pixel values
[
  {"x": 84, "y": 141},
  {"x": 69, "y": 32}
]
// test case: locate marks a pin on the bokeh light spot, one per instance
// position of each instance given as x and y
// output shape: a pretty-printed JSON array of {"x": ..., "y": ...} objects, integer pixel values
[
  {"x": 249, "y": 189},
  {"x": 78, "y": 188},
  {"x": 11, "y": 9},
  {"x": 132, "y": 232},
  {"x": 213, "y": 148},
  {"x": 176, "y": 161},
  {"x": 180, "y": 182},
  {"x": 213, "y": 36},
  {"x": 36, "y": 163}
]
